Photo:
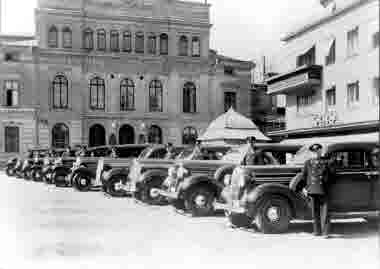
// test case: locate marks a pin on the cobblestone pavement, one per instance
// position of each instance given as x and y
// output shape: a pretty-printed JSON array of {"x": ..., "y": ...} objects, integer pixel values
[{"x": 48, "y": 227}]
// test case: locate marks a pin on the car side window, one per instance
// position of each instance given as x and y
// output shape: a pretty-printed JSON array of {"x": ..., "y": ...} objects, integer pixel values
[
  {"x": 350, "y": 159},
  {"x": 158, "y": 154}
]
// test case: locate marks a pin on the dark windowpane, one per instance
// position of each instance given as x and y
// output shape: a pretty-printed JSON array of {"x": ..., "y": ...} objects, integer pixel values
[
  {"x": 155, "y": 135},
  {"x": 60, "y": 136},
  {"x": 88, "y": 39},
  {"x": 189, "y": 136},
  {"x": 189, "y": 98},
  {"x": 114, "y": 40},
  {"x": 155, "y": 96},
  {"x": 164, "y": 44},
  {"x": 307, "y": 59},
  {"x": 139, "y": 46},
  {"x": 183, "y": 46},
  {"x": 152, "y": 44},
  {"x": 102, "y": 39},
  {"x": 11, "y": 138},
  {"x": 229, "y": 100},
  {"x": 60, "y": 92},
  {"x": 67, "y": 38},
  {"x": 53, "y": 37},
  {"x": 127, "y": 41},
  {"x": 97, "y": 93},
  {"x": 127, "y": 95},
  {"x": 196, "y": 47}
]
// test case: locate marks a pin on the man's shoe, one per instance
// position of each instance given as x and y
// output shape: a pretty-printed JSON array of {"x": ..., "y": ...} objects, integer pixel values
[{"x": 317, "y": 234}]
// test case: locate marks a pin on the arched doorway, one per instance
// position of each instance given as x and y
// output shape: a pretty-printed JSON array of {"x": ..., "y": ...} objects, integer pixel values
[
  {"x": 126, "y": 135},
  {"x": 155, "y": 135},
  {"x": 97, "y": 135},
  {"x": 60, "y": 136}
]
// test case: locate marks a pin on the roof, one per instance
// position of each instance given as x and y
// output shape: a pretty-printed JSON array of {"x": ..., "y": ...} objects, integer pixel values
[
  {"x": 232, "y": 125},
  {"x": 323, "y": 16}
]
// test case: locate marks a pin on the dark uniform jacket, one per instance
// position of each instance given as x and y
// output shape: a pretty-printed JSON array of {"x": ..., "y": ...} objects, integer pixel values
[
  {"x": 316, "y": 174},
  {"x": 254, "y": 158}
]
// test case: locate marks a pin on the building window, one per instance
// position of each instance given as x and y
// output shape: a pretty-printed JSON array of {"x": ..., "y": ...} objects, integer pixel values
[
  {"x": 101, "y": 35},
  {"x": 127, "y": 41},
  {"x": 304, "y": 101},
  {"x": 139, "y": 46},
  {"x": 164, "y": 43},
  {"x": 330, "y": 97},
  {"x": 229, "y": 70},
  {"x": 229, "y": 100},
  {"x": 353, "y": 93},
  {"x": 307, "y": 58},
  {"x": 375, "y": 40},
  {"x": 53, "y": 37},
  {"x": 97, "y": 93},
  {"x": 60, "y": 92},
  {"x": 155, "y": 135},
  {"x": 189, "y": 98},
  {"x": 155, "y": 96},
  {"x": 189, "y": 136},
  {"x": 375, "y": 90},
  {"x": 67, "y": 38},
  {"x": 114, "y": 40},
  {"x": 152, "y": 44},
  {"x": 60, "y": 136},
  {"x": 330, "y": 58},
  {"x": 127, "y": 95},
  {"x": 88, "y": 39},
  {"x": 12, "y": 139},
  {"x": 183, "y": 46},
  {"x": 11, "y": 88},
  {"x": 195, "y": 47},
  {"x": 353, "y": 42}
]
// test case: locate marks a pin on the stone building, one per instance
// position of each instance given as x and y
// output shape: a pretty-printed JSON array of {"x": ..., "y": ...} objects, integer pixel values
[
  {"x": 121, "y": 71},
  {"x": 329, "y": 73}
]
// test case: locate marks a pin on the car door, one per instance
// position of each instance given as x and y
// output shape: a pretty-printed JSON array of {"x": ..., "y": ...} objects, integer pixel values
[{"x": 350, "y": 186}]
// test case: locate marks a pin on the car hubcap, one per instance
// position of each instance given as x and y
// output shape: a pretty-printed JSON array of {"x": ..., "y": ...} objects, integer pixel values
[
  {"x": 154, "y": 193},
  {"x": 200, "y": 201},
  {"x": 118, "y": 186},
  {"x": 273, "y": 214},
  {"x": 83, "y": 181}
]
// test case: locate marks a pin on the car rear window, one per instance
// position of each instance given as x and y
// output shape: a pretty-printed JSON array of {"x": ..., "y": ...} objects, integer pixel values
[{"x": 129, "y": 152}]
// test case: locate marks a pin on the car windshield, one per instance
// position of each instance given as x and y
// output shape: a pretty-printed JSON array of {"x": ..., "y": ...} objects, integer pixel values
[
  {"x": 302, "y": 155},
  {"x": 186, "y": 153},
  {"x": 235, "y": 154},
  {"x": 144, "y": 153}
]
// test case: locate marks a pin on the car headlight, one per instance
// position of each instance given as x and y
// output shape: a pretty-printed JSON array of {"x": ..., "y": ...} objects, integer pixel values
[
  {"x": 182, "y": 171},
  {"x": 227, "y": 180},
  {"x": 172, "y": 172},
  {"x": 58, "y": 161}
]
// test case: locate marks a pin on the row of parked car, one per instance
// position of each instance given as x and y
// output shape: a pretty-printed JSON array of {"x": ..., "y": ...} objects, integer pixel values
[{"x": 200, "y": 180}]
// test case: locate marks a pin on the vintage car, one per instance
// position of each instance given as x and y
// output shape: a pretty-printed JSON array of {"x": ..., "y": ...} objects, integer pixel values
[
  {"x": 273, "y": 196},
  {"x": 193, "y": 185},
  {"x": 147, "y": 173},
  {"x": 10, "y": 166},
  {"x": 23, "y": 166},
  {"x": 85, "y": 169},
  {"x": 113, "y": 180}
]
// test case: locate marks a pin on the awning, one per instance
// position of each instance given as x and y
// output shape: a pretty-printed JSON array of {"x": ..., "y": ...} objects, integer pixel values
[{"x": 368, "y": 137}]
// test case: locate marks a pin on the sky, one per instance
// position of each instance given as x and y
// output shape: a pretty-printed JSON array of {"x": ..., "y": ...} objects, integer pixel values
[{"x": 245, "y": 29}]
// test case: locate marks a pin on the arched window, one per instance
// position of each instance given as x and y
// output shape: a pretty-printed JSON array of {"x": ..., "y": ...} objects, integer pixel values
[
  {"x": 114, "y": 40},
  {"x": 11, "y": 89},
  {"x": 60, "y": 92},
  {"x": 164, "y": 43},
  {"x": 155, "y": 135},
  {"x": 97, "y": 93},
  {"x": 101, "y": 35},
  {"x": 126, "y": 135},
  {"x": 155, "y": 96},
  {"x": 12, "y": 139},
  {"x": 152, "y": 44},
  {"x": 127, "y": 41},
  {"x": 97, "y": 135},
  {"x": 88, "y": 39},
  {"x": 67, "y": 38},
  {"x": 189, "y": 98},
  {"x": 189, "y": 136},
  {"x": 53, "y": 37},
  {"x": 139, "y": 44},
  {"x": 127, "y": 95},
  {"x": 60, "y": 136},
  {"x": 195, "y": 47},
  {"x": 183, "y": 46}
]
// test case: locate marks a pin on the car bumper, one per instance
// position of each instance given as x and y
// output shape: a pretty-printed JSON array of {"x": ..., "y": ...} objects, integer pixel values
[
  {"x": 230, "y": 207},
  {"x": 168, "y": 194}
]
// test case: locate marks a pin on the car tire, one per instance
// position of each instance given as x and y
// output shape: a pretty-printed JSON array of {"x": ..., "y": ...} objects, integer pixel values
[
  {"x": 146, "y": 195},
  {"x": 8, "y": 171},
  {"x": 273, "y": 214},
  {"x": 82, "y": 182},
  {"x": 36, "y": 175},
  {"x": 113, "y": 182},
  {"x": 59, "y": 179},
  {"x": 199, "y": 201},
  {"x": 27, "y": 175}
]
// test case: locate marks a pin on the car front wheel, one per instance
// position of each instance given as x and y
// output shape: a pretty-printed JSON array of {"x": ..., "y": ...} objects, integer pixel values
[
  {"x": 115, "y": 186},
  {"x": 59, "y": 179},
  {"x": 273, "y": 214},
  {"x": 9, "y": 171},
  {"x": 199, "y": 201},
  {"x": 150, "y": 197},
  {"x": 82, "y": 182}
]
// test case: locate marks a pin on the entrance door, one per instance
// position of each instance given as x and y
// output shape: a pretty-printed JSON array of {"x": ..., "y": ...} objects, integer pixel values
[
  {"x": 97, "y": 136},
  {"x": 11, "y": 134},
  {"x": 126, "y": 135},
  {"x": 60, "y": 136}
]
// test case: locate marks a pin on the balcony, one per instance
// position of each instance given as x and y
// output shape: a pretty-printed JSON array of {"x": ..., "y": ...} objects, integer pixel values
[{"x": 303, "y": 79}]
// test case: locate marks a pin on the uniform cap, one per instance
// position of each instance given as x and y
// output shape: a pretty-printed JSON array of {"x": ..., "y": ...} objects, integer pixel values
[
  {"x": 315, "y": 147},
  {"x": 376, "y": 150},
  {"x": 251, "y": 138}
]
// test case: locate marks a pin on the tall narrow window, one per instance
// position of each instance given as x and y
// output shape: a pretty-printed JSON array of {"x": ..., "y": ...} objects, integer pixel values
[
  {"x": 114, "y": 40},
  {"x": 139, "y": 44},
  {"x": 88, "y": 39},
  {"x": 97, "y": 93},
  {"x": 164, "y": 43},
  {"x": 155, "y": 134},
  {"x": 330, "y": 97},
  {"x": 127, "y": 95},
  {"x": 307, "y": 58},
  {"x": 155, "y": 96},
  {"x": 229, "y": 100},
  {"x": 375, "y": 90},
  {"x": 352, "y": 42},
  {"x": 60, "y": 136},
  {"x": 152, "y": 44},
  {"x": 353, "y": 93},
  {"x": 183, "y": 46},
  {"x": 195, "y": 47},
  {"x": 60, "y": 92},
  {"x": 330, "y": 58},
  {"x": 376, "y": 40},
  {"x": 11, "y": 88},
  {"x": 53, "y": 37},
  {"x": 127, "y": 41},
  {"x": 12, "y": 139},
  {"x": 189, "y": 98},
  {"x": 101, "y": 36},
  {"x": 304, "y": 101},
  {"x": 189, "y": 136},
  {"x": 67, "y": 38}
]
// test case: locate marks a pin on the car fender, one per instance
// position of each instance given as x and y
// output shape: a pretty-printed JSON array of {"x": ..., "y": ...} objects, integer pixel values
[
  {"x": 115, "y": 172},
  {"x": 150, "y": 175},
  {"x": 61, "y": 169},
  {"x": 84, "y": 171},
  {"x": 222, "y": 171},
  {"x": 195, "y": 180},
  {"x": 298, "y": 203}
]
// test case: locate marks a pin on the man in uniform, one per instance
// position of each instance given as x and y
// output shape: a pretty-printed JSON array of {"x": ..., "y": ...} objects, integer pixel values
[
  {"x": 315, "y": 174},
  {"x": 169, "y": 151},
  {"x": 253, "y": 156}
]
